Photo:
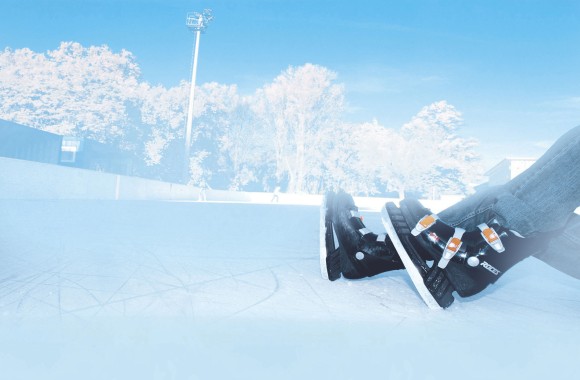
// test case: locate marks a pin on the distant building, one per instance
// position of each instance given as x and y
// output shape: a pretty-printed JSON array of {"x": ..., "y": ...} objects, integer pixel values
[
  {"x": 507, "y": 169},
  {"x": 89, "y": 154},
  {"x": 25, "y": 143}
]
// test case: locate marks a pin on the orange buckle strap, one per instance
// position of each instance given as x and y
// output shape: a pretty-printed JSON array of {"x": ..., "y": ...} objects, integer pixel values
[
  {"x": 491, "y": 237},
  {"x": 424, "y": 224},
  {"x": 451, "y": 248}
]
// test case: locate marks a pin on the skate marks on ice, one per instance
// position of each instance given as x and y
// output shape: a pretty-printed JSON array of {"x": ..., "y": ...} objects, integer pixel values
[
  {"x": 135, "y": 282},
  {"x": 74, "y": 259},
  {"x": 137, "y": 285}
]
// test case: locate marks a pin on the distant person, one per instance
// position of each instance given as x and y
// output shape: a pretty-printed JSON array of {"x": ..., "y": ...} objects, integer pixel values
[
  {"x": 471, "y": 244},
  {"x": 202, "y": 192},
  {"x": 276, "y": 195}
]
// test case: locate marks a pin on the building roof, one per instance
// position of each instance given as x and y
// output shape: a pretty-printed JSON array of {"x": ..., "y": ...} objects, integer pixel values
[{"x": 508, "y": 160}]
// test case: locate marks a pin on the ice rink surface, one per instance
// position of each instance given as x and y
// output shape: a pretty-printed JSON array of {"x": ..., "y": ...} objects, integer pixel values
[{"x": 189, "y": 290}]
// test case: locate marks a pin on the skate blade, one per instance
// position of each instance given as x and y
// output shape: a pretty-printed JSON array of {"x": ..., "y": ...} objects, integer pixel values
[
  {"x": 412, "y": 270},
  {"x": 322, "y": 238},
  {"x": 329, "y": 246}
]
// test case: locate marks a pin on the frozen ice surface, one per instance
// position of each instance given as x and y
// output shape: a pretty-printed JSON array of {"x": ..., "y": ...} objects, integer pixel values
[{"x": 178, "y": 290}]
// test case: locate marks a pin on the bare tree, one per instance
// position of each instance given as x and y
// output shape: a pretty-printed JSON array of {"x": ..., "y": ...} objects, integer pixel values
[{"x": 297, "y": 105}]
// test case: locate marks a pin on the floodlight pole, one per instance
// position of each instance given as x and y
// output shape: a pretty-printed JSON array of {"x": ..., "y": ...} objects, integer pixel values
[{"x": 196, "y": 22}]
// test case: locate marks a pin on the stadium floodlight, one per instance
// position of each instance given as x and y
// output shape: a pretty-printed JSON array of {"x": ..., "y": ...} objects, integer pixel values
[{"x": 197, "y": 23}]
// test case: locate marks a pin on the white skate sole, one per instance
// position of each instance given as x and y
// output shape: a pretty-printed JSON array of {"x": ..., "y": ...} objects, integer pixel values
[{"x": 412, "y": 270}]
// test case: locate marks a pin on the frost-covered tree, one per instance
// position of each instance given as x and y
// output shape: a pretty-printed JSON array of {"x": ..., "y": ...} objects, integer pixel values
[
  {"x": 432, "y": 157},
  {"x": 96, "y": 93},
  {"x": 289, "y": 132},
  {"x": 214, "y": 110},
  {"x": 73, "y": 90},
  {"x": 163, "y": 111},
  {"x": 298, "y": 105},
  {"x": 246, "y": 149},
  {"x": 426, "y": 155},
  {"x": 331, "y": 164},
  {"x": 377, "y": 156},
  {"x": 200, "y": 174}
]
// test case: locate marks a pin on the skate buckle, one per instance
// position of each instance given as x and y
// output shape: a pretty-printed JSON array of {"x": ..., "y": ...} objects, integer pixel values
[
  {"x": 451, "y": 248},
  {"x": 491, "y": 237},
  {"x": 432, "y": 236},
  {"x": 364, "y": 231},
  {"x": 424, "y": 224}
]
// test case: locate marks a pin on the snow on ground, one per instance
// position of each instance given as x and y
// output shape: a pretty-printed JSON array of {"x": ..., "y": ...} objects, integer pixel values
[{"x": 190, "y": 290}]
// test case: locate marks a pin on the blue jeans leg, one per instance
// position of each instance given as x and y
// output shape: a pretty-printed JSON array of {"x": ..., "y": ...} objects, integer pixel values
[
  {"x": 541, "y": 199},
  {"x": 563, "y": 251}
]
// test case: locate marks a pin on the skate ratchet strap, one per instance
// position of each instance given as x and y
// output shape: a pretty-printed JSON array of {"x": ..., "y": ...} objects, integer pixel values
[
  {"x": 491, "y": 237},
  {"x": 359, "y": 220},
  {"x": 364, "y": 231},
  {"x": 451, "y": 248},
  {"x": 424, "y": 224}
]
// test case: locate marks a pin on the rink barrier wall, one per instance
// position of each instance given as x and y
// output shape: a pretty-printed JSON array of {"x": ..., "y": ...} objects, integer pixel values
[{"x": 20, "y": 179}]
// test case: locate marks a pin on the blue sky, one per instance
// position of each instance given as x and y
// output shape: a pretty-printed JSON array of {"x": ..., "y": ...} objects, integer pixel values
[{"x": 511, "y": 67}]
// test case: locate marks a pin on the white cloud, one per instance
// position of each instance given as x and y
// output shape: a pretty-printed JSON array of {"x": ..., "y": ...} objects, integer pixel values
[
  {"x": 374, "y": 79},
  {"x": 571, "y": 102},
  {"x": 543, "y": 144}
]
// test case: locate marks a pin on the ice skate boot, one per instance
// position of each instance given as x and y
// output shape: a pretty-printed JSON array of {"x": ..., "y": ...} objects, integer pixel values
[
  {"x": 465, "y": 262},
  {"x": 347, "y": 247}
]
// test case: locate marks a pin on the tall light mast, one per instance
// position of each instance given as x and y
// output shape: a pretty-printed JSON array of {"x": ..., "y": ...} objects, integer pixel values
[{"x": 197, "y": 23}]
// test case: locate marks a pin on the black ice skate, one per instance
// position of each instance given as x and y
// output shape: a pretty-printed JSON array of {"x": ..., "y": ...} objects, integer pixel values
[
  {"x": 462, "y": 261},
  {"x": 347, "y": 247}
]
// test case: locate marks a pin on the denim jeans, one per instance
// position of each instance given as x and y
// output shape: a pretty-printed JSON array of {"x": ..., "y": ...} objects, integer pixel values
[{"x": 540, "y": 200}]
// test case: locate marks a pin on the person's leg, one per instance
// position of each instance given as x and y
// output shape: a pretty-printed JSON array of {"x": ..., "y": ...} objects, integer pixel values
[
  {"x": 541, "y": 199},
  {"x": 537, "y": 204},
  {"x": 563, "y": 251},
  {"x": 477, "y": 240}
]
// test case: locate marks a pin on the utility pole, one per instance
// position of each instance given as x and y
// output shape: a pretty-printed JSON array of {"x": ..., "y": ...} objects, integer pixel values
[{"x": 197, "y": 23}]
